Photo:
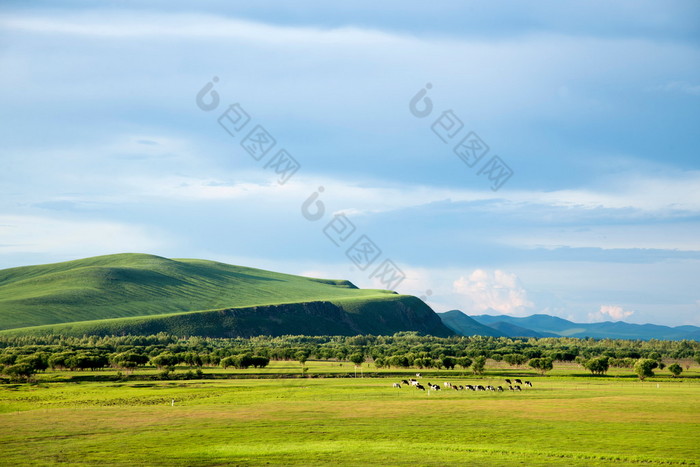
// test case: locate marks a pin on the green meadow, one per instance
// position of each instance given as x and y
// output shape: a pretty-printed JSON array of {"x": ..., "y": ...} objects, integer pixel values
[{"x": 273, "y": 416}]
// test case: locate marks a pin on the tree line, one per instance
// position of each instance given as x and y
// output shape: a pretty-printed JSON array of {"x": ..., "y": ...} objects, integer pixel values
[{"x": 21, "y": 357}]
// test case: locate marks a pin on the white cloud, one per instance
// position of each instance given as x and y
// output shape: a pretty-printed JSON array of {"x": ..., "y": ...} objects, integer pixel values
[
  {"x": 607, "y": 312},
  {"x": 492, "y": 290},
  {"x": 120, "y": 25},
  {"x": 656, "y": 195}
]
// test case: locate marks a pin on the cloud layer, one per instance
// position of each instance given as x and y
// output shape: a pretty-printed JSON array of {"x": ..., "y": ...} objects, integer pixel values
[{"x": 104, "y": 149}]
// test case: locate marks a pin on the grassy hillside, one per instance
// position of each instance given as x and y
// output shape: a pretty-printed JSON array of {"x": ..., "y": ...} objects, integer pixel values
[
  {"x": 378, "y": 315},
  {"x": 137, "y": 294}
]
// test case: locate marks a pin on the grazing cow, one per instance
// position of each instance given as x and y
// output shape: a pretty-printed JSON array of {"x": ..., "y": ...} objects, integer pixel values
[
  {"x": 511, "y": 388},
  {"x": 403, "y": 381},
  {"x": 499, "y": 388},
  {"x": 456, "y": 388},
  {"x": 434, "y": 387},
  {"x": 517, "y": 381},
  {"x": 413, "y": 382},
  {"x": 397, "y": 385},
  {"x": 517, "y": 388},
  {"x": 528, "y": 383},
  {"x": 480, "y": 388},
  {"x": 420, "y": 386},
  {"x": 508, "y": 381},
  {"x": 461, "y": 388},
  {"x": 470, "y": 387},
  {"x": 490, "y": 388},
  {"x": 418, "y": 375},
  {"x": 447, "y": 385}
]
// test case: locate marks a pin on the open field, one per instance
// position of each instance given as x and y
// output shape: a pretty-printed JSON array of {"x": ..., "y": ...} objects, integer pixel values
[{"x": 566, "y": 420}]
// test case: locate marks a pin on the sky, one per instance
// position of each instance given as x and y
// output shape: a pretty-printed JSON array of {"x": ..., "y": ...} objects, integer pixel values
[{"x": 493, "y": 157}]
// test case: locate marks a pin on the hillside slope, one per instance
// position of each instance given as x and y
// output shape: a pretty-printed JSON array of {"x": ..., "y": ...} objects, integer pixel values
[
  {"x": 136, "y": 293},
  {"x": 379, "y": 316}
]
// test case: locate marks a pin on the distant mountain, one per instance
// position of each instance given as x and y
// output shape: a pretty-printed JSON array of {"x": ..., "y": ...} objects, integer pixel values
[
  {"x": 512, "y": 330},
  {"x": 145, "y": 294},
  {"x": 466, "y": 326},
  {"x": 553, "y": 326}
]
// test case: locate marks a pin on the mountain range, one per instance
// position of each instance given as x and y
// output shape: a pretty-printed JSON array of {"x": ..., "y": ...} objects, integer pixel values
[{"x": 541, "y": 325}]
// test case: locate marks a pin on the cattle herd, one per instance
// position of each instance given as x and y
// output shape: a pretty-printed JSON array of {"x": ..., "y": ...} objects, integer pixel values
[{"x": 513, "y": 385}]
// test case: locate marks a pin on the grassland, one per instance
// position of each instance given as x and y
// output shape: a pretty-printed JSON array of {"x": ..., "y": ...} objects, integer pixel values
[
  {"x": 566, "y": 419},
  {"x": 127, "y": 285}
]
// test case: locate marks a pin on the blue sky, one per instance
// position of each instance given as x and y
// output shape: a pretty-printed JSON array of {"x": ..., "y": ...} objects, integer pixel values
[{"x": 593, "y": 106}]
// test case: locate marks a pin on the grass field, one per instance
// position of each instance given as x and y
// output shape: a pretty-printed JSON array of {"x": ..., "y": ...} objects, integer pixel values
[{"x": 564, "y": 419}]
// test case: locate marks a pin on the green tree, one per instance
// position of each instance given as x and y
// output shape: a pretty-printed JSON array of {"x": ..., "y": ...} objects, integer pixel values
[
  {"x": 514, "y": 359},
  {"x": 464, "y": 362},
  {"x": 644, "y": 368},
  {"x": 301, "y": 356},
  {"x": 478, "y": 365},
  {"x": 259, "y": 361},
  {"x": 8, "y": 359},
  {"x": 357, "y": 358},
  {"x": 449, "y": 362},
  {"x": 83, "y": 361},
  {"x": 60, "y": 360},
  {"x": 676, "y": 369},
  {"x": 129, "y": 360},
  {"x": 165, "y": 360},
  {"x": 20, "y": 371},
  {"x": 543, "y": 364},
  {"x": 597, "y": 365},
  {"x": 227, "y": 362},
  {"x": 400, "y": 361},
  {"x": 38, "y": 361}
]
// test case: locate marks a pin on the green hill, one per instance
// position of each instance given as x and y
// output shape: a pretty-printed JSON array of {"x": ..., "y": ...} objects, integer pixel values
[{"x": 137, "y": 293}]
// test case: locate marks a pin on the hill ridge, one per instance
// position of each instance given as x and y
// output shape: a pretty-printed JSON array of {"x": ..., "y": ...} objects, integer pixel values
[{"x": 134, "y": 285}]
